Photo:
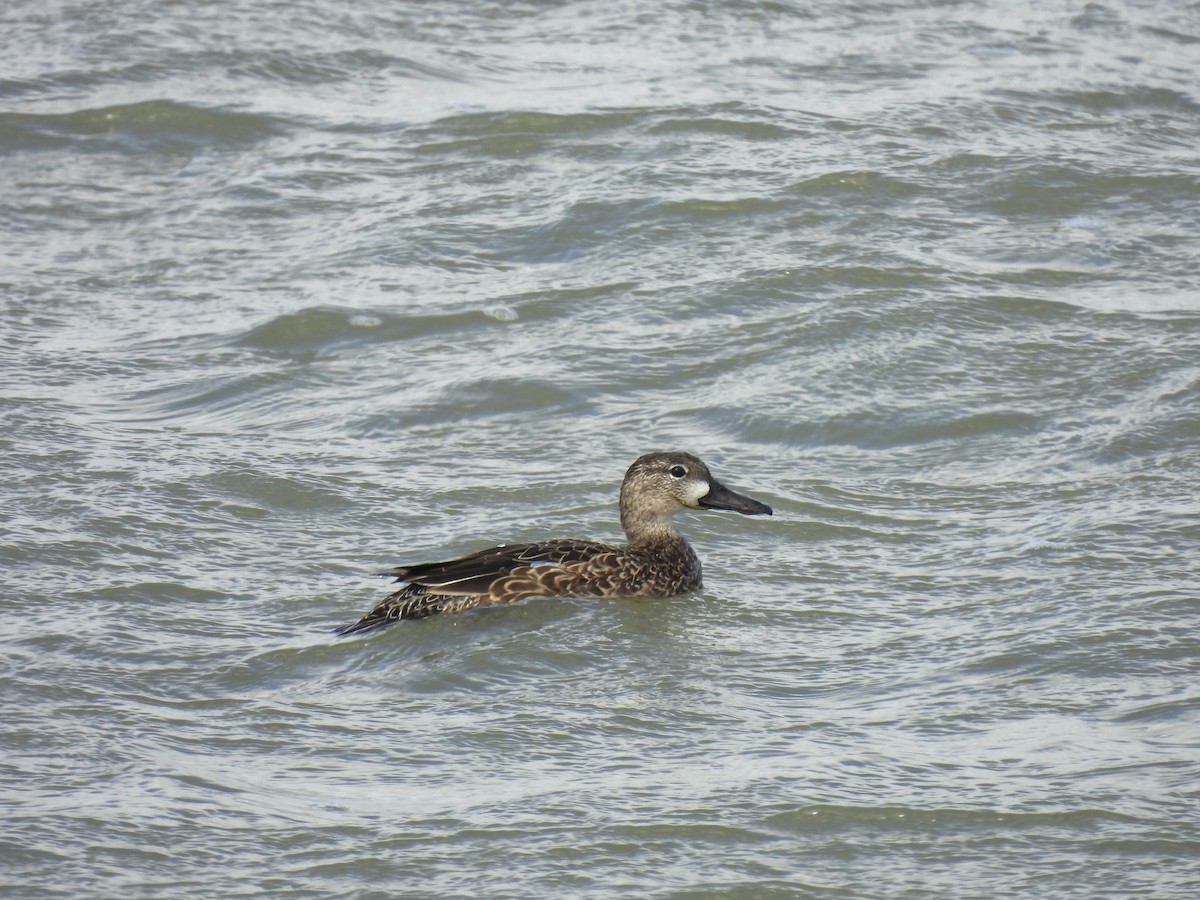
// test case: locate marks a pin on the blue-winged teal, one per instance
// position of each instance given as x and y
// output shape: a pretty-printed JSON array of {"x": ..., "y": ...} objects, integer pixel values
[{"x": 657, "y": 561}]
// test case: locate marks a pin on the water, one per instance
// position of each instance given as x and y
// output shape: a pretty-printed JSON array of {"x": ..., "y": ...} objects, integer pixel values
[{"x": 295, "y": 292}]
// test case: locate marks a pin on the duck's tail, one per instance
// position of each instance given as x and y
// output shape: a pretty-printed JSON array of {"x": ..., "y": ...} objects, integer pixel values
[{"x": 410, "y": 602}]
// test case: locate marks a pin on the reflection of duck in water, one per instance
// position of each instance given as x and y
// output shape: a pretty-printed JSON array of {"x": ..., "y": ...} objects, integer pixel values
[{"x": 657, "y": 561}]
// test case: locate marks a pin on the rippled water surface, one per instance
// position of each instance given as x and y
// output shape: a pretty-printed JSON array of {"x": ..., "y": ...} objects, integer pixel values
[{"x": 294, "y": 292}]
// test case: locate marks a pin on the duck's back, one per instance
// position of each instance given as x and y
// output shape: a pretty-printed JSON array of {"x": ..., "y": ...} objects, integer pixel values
[{"x": 478, "y": 573}]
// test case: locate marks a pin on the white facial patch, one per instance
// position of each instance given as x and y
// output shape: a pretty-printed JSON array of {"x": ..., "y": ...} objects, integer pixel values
[{"x": 692, "y": 490}]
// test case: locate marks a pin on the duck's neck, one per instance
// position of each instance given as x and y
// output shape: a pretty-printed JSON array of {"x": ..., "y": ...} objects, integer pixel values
[{"x": 643, "y": 527}]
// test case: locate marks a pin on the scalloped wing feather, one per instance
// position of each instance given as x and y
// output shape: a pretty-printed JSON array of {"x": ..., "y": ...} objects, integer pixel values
[{"x": 476, "y": 573}]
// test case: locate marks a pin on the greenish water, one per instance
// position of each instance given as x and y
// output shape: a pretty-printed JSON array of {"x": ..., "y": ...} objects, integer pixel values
[{"x": 291, "y": 294}]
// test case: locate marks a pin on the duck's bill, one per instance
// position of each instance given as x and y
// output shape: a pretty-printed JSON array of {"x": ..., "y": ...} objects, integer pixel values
[{"x": 721, "y": 497}]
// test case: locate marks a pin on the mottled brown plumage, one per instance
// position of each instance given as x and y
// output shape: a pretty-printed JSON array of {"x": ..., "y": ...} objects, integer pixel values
[{"x": 657, "y": 561}]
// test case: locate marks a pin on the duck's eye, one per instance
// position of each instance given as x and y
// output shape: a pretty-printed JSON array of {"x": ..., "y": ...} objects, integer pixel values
[{"x": 678, "y": 471}]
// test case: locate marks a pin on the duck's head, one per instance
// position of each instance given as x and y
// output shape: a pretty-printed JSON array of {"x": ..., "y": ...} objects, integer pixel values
[{"x": 658, "y": 485}]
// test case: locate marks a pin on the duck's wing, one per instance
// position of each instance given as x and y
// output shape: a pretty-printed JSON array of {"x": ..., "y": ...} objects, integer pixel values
[
  {"x": 501, "y": 574},
  {"x": 477, "y": 573}
]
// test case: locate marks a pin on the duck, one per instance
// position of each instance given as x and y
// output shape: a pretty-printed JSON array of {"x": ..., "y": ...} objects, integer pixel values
[{"x": 655, "y": 561}]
